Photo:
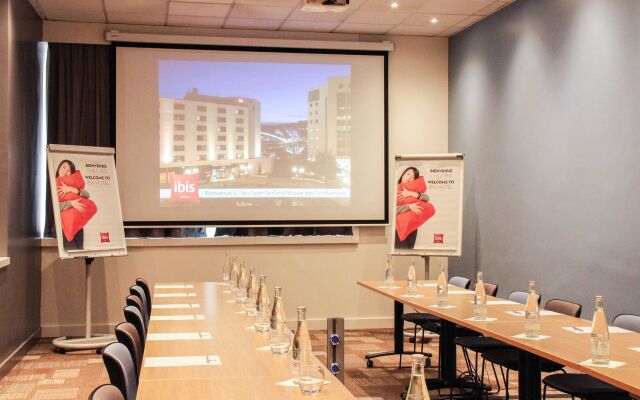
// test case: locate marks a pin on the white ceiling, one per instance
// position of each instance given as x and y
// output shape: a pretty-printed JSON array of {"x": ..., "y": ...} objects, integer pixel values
[{"x": 412, "y": 17}]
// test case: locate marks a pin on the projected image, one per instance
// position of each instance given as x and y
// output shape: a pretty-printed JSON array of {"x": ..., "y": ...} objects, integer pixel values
[{"x": 249, "y": 131}]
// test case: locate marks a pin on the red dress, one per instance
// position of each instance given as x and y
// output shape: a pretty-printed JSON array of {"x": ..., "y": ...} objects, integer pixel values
[
  {"x": 408, "y": 221},
  {"x": 72, "y": 219}
]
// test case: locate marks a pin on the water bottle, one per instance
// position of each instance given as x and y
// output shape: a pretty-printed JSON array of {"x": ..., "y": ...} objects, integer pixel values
[
  {"x": 442, "y": 288},
  {"x": 233, "y": 275},
  {"x": 389, "y": 280},
  {"x": 252, "y": 292},
  {"x": 262, "y": 317},
  {"x": 226, "y": 267},
  {"x": 301, "y": 346},
  {"x": 480, "y": 300},
  {"x": 600, "y": 353},
  {"x": 412, "y": 284},
  {"x": 417, "y": 385},
  {"x": 532, "y": 313},
  {"x": 278, "y": 321}
]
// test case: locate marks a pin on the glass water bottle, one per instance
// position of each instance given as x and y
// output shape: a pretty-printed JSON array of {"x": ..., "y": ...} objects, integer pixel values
[
  {"x": 532, "y": 313},
  {"x": 301, "y": 346},
  {"x": 241, "y": 290},
  {"x": 480, "y": 299},
  {"x": 226, "y": 268},
  {"x": 418, "y": 385},
  {"x": 233, "y": 275},
  {"x": 442, "y": 288},
  {"x": 412, "y": 284},
  {"x": 252, "y": 292},
  {"x": 262, "y": 317},
  {"x": 389, "y": 280},
  {"x": 600, "y": 353},
  {"x": 278, "y": 321}
]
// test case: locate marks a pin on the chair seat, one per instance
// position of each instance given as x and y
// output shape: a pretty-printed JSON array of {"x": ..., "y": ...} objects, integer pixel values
[
  {"x": 508, "y": 358},
  {"x": 582, "y": 385},
  {"x": 480, "y": 344},
  {"x": 419, "y": 318}
]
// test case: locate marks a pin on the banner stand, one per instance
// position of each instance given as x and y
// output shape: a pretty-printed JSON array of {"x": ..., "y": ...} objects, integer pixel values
[{"x": 89, "y": 342}]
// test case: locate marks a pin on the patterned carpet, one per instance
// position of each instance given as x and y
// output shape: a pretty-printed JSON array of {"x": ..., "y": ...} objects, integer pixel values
[{"x": 43, "y": 374}]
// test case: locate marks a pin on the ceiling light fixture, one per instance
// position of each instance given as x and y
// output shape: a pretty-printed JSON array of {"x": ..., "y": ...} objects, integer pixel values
[
  {"x": 394, "y": 4},
  {"x": 434, "y": 20}
]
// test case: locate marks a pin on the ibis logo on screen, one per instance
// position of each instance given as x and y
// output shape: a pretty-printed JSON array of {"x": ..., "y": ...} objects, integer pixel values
[{"x": 184, "y": 188}]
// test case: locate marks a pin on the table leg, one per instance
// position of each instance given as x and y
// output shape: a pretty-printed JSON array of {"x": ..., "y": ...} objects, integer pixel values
[
  {"x": 447, "y": 348},
  {"x": 398, "y": 337},
  {"x": 528, "y": 376}
]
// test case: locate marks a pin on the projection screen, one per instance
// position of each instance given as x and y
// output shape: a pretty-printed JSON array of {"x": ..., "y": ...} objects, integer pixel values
[{"x": 224, "y": 136}]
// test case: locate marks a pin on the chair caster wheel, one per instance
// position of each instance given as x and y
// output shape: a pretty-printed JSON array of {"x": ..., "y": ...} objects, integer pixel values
[
  {"x": 99, "y": 351},
  {"x": 369, "y": 363},
  {"x": 59, "y": 351}
]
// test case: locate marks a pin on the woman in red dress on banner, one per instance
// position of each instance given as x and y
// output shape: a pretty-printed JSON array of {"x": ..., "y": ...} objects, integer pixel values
[
  {"x": 412, "y": 208},
  {"x": 75, "y": 207}
]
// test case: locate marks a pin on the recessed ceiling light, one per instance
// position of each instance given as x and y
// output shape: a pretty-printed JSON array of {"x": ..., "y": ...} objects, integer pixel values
[
  {"x": 434, "y": 20},
  {"x": 394, "y": 4}
]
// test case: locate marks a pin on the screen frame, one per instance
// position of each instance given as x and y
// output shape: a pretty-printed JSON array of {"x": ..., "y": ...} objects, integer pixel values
[{"x": 261, "y": 223}]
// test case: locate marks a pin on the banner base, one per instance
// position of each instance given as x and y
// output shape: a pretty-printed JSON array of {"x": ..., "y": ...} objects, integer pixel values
[{"x": 97, "y": 342}]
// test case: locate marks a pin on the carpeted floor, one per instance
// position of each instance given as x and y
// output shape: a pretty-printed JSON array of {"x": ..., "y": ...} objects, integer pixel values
[{"x": 43, "y": 374}]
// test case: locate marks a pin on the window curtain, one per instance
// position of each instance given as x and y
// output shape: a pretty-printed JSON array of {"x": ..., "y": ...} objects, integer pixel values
[{"x": 79, "y": 100}]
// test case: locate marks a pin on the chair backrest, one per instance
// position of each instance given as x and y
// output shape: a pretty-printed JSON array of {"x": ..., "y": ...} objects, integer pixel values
[
  {"x": 564, "y": 307},
  {"x": 137, "y": 303},
  {"x": 147, "y": 291},
  {"x": 106, "y": 392},
  {"x": 521, "y": 297},
  {"x": 490, "y": 289},
  {"x": 460, "y": 281},
  {"x": 121, "y": 370},
  {"x": 133, "y": 316},
  {"x": 629, "y": 322},
  {"x": 127, "y": 334},
  {"x": 136, "y": 290}
]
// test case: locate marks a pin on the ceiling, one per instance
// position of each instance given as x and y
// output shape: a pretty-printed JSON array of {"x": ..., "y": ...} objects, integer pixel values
[{"x": 411, "y": 17}]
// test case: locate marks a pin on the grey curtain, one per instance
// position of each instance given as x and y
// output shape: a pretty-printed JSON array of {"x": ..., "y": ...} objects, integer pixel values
[{"x": 79, "y": 100}]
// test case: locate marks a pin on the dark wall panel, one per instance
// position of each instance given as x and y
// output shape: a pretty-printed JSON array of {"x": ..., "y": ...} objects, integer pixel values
[
  {"x": 20, "y": 281},
  {"x": 545, "y": 102}
]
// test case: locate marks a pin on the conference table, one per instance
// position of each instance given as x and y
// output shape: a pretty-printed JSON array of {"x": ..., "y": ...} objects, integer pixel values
[
  {"x": 202, "y": 345},
  {"x": 564, "y": 339}
]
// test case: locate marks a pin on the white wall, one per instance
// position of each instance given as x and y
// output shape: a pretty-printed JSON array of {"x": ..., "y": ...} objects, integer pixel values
[{"x": 321, "y": 276}]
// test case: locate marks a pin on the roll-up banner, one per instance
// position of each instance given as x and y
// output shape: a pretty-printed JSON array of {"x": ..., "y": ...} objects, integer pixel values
[
  {"x": 428, "y": 204},
  {"x": 86, "y": 201}
]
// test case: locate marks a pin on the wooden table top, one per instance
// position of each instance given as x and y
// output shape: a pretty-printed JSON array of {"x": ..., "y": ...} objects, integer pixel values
[
  {"x": 246, "y": 371},
  {"x": 563, "y": 346}
]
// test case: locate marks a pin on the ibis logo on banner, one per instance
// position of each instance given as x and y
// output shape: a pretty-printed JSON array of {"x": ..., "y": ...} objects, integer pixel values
[
  {"x": 438, "y": 238},
  {"x": 104, "y": 237},
  {"x": 184, "y": 188}
]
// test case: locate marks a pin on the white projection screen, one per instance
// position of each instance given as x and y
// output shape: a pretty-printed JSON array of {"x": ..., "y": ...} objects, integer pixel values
[{"x": 229, "y": 136}]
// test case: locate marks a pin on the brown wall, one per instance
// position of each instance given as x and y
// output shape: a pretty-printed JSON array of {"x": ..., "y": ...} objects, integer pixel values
[{"x": 20, "y": 281}]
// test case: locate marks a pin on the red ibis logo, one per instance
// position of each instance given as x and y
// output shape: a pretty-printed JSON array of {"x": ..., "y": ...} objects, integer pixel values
[{"x": 184, "y": 188}]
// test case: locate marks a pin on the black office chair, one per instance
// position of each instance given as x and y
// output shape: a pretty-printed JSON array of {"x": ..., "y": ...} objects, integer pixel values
[
  {"x": 480, "y": 344},
  {"x": 508, "y": 357},
  {"x": 127, "y": 334},
  {"x": 133, "y": 316},
  {"x": 587, "y": 387},
  {"x": 106, "y": 392},
  {"x": 420, "y": 319},
  {"x": 121, "y": 370},
  {"x": 137, "y": 303},
  {"x": 147, "y": 291},
  {"x": 136, "y": 290}
]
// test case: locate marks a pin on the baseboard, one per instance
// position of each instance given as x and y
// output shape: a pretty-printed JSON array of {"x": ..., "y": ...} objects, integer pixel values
[
  {"x": 314, "y": 324},
  {"x": 75, "y": 330},
  {"x": 14, "y": 358}
]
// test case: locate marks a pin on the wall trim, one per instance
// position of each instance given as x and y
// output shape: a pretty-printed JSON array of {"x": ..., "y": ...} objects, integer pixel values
[
  {"x": 14, "y": 358},
  {"x": 314, "y": 324}
]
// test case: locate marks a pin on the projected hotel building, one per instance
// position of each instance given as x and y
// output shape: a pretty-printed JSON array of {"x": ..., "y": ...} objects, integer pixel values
[
  {"x": 329, "y": 119},
  {"x": 209, "y": 130}
]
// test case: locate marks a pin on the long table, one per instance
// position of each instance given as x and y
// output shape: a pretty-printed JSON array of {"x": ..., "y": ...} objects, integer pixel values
[
  {"x": 248, "y": 370},
  {"x": 566, "y": 347}
]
